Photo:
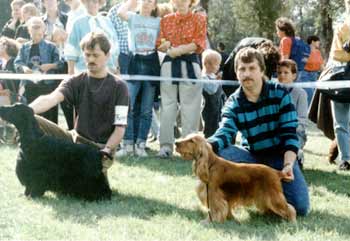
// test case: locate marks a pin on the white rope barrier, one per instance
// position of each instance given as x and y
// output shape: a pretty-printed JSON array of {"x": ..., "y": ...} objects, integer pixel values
[{"x": 38, "y": 77}]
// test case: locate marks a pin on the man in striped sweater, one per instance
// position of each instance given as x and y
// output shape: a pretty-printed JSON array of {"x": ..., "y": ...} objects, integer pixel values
[{"x": 265, "y": 116}]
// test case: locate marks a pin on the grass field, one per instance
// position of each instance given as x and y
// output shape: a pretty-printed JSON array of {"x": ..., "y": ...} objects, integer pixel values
[{"x": 154, "y": 199}]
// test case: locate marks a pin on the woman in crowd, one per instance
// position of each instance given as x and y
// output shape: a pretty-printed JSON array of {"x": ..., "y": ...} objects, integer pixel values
[
  {"x": 183, "y": 38},
  {"x": 143, "y": 32}
]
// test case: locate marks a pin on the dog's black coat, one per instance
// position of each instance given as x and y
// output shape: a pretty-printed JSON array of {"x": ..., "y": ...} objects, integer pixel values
[{"x": 47, "y": 163}]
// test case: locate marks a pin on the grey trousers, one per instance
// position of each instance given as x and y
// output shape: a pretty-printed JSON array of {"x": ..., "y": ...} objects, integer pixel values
[{"x": 190, "y": 99}]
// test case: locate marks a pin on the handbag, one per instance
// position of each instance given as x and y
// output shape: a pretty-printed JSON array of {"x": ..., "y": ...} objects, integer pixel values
[{"x": 336, "y": 73}]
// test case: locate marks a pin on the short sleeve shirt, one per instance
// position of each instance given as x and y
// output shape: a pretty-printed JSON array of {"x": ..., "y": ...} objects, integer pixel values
[
  {"x": 286, "y": 46},
  {"x": 315, "y": 61},
  {"x": 101, "y": 104},
  {"x": 143, "y": 32}
]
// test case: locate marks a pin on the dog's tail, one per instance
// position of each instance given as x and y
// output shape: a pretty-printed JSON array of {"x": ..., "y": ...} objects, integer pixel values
[{"x": 284, "y": 177}]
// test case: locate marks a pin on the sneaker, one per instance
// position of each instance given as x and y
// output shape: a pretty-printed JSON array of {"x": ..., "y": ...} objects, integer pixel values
[
  {"x": 345, "y": 166},
  {"x": 140, "y": 150},
  {"x": 126, "y": 150},
  {"x": 165, "y": 152}
]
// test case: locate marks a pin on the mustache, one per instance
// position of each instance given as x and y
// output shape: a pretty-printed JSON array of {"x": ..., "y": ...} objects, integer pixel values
[
  {"x": 91, "y": 64},
  {"x": 246, "y": 79}
]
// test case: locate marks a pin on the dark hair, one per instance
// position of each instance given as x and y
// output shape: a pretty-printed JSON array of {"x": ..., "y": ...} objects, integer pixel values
[
  {"x": 289, "y": 64},
  {"x": 11, "y": 46},
  {"x": 285, "y": 25},
  {"x": 95, "y": 38},
  {"x": 271, "y": 56},
  {"x": 247, "y": 55},
  {"x": 221, "y": 45},
  {"x": 312, "y": 38}
]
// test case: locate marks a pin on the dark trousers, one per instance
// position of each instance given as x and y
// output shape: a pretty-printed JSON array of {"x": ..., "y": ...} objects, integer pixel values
[{"x": 212, "y": 111}]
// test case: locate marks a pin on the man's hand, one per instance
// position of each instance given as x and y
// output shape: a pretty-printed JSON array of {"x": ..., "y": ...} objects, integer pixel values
[
  {"x": 288, "y": 163},
  {"x": 107, "y": 153},
  {"x": 107, "y": 158},
  {"x": 288, "y": 171}
]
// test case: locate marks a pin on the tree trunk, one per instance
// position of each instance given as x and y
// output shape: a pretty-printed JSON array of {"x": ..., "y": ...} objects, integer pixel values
[{"x": 326, "y": 26}]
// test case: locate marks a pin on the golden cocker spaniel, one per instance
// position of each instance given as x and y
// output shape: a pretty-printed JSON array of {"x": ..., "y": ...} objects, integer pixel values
[{"x": 225, "y": 185}]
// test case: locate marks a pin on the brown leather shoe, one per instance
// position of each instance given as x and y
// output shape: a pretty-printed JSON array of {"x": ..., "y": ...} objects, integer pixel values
[{"x": 333, "y": 152}]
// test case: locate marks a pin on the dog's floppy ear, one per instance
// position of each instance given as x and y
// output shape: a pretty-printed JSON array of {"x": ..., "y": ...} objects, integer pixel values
[{"x": 202, "y": 159}]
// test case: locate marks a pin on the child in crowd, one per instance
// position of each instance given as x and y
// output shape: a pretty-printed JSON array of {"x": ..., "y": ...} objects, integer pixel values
[
  {"x": 212, "y": 92},
  {"x": 286, "y": 74}
]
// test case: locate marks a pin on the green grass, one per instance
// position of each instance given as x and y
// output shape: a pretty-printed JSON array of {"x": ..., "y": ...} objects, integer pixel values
[{"x": 154, "y": 199}]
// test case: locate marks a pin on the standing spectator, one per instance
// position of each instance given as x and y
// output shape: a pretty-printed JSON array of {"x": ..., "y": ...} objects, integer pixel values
[
  {"x": 28, "y": 10},
  {"x": 285, "y": 31},
  {"x": 183, "y": 38},
  {"x": 291, "y": 47},
  {"x": 38, "y": 56},
  {"x": 313, "y": 65},
  {"x": 340, "y": 55},
  {"x": 121, "y": 28},
  {"x": 213, "y": 94},
  {"x": 8, "y": 52},
  {"x": 143, "y": 33},
  {"x": 9, "y": 30},
  {"x": 91, "y": 21},
  {"x": 264, "y": 114},
  {"x": 53, "y": 18},
  {"x": 287, "y": 74}
]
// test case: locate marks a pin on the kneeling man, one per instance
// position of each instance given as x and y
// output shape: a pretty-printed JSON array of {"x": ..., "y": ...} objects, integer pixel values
[{"x": 264, "y": 114}]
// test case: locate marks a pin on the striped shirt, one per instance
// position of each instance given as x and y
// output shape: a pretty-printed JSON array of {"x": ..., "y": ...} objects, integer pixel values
[{"x": 267, "y": 126}]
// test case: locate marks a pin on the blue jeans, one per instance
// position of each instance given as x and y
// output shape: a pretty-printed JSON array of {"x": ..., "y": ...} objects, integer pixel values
[
  {"x": 341, "y": 120},
  {"x": 296, "y": 192},
  {"x": 308, "y": 76},
  {"x": 144, "y": 115},
  {"x": 123, "y": 63}
]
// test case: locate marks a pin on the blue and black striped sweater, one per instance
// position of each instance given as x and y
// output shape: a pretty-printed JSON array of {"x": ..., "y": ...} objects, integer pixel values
[{"x": 267, "y": 126}]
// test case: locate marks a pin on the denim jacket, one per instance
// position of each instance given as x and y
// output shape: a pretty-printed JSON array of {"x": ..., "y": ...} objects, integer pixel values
[{"x": 49, "y": 54}]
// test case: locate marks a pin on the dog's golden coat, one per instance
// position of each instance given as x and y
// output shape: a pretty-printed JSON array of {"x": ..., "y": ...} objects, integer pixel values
[{"x": 230, "y": 184}]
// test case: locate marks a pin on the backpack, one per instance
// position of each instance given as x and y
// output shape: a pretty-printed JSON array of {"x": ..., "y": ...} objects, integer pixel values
[{"x": 300, "y": 52}]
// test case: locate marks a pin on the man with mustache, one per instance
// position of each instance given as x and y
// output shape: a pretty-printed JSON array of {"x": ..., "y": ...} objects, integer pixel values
[
  {"x": 100, "y": 100},
  {"x": 263, "y": 112}
]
